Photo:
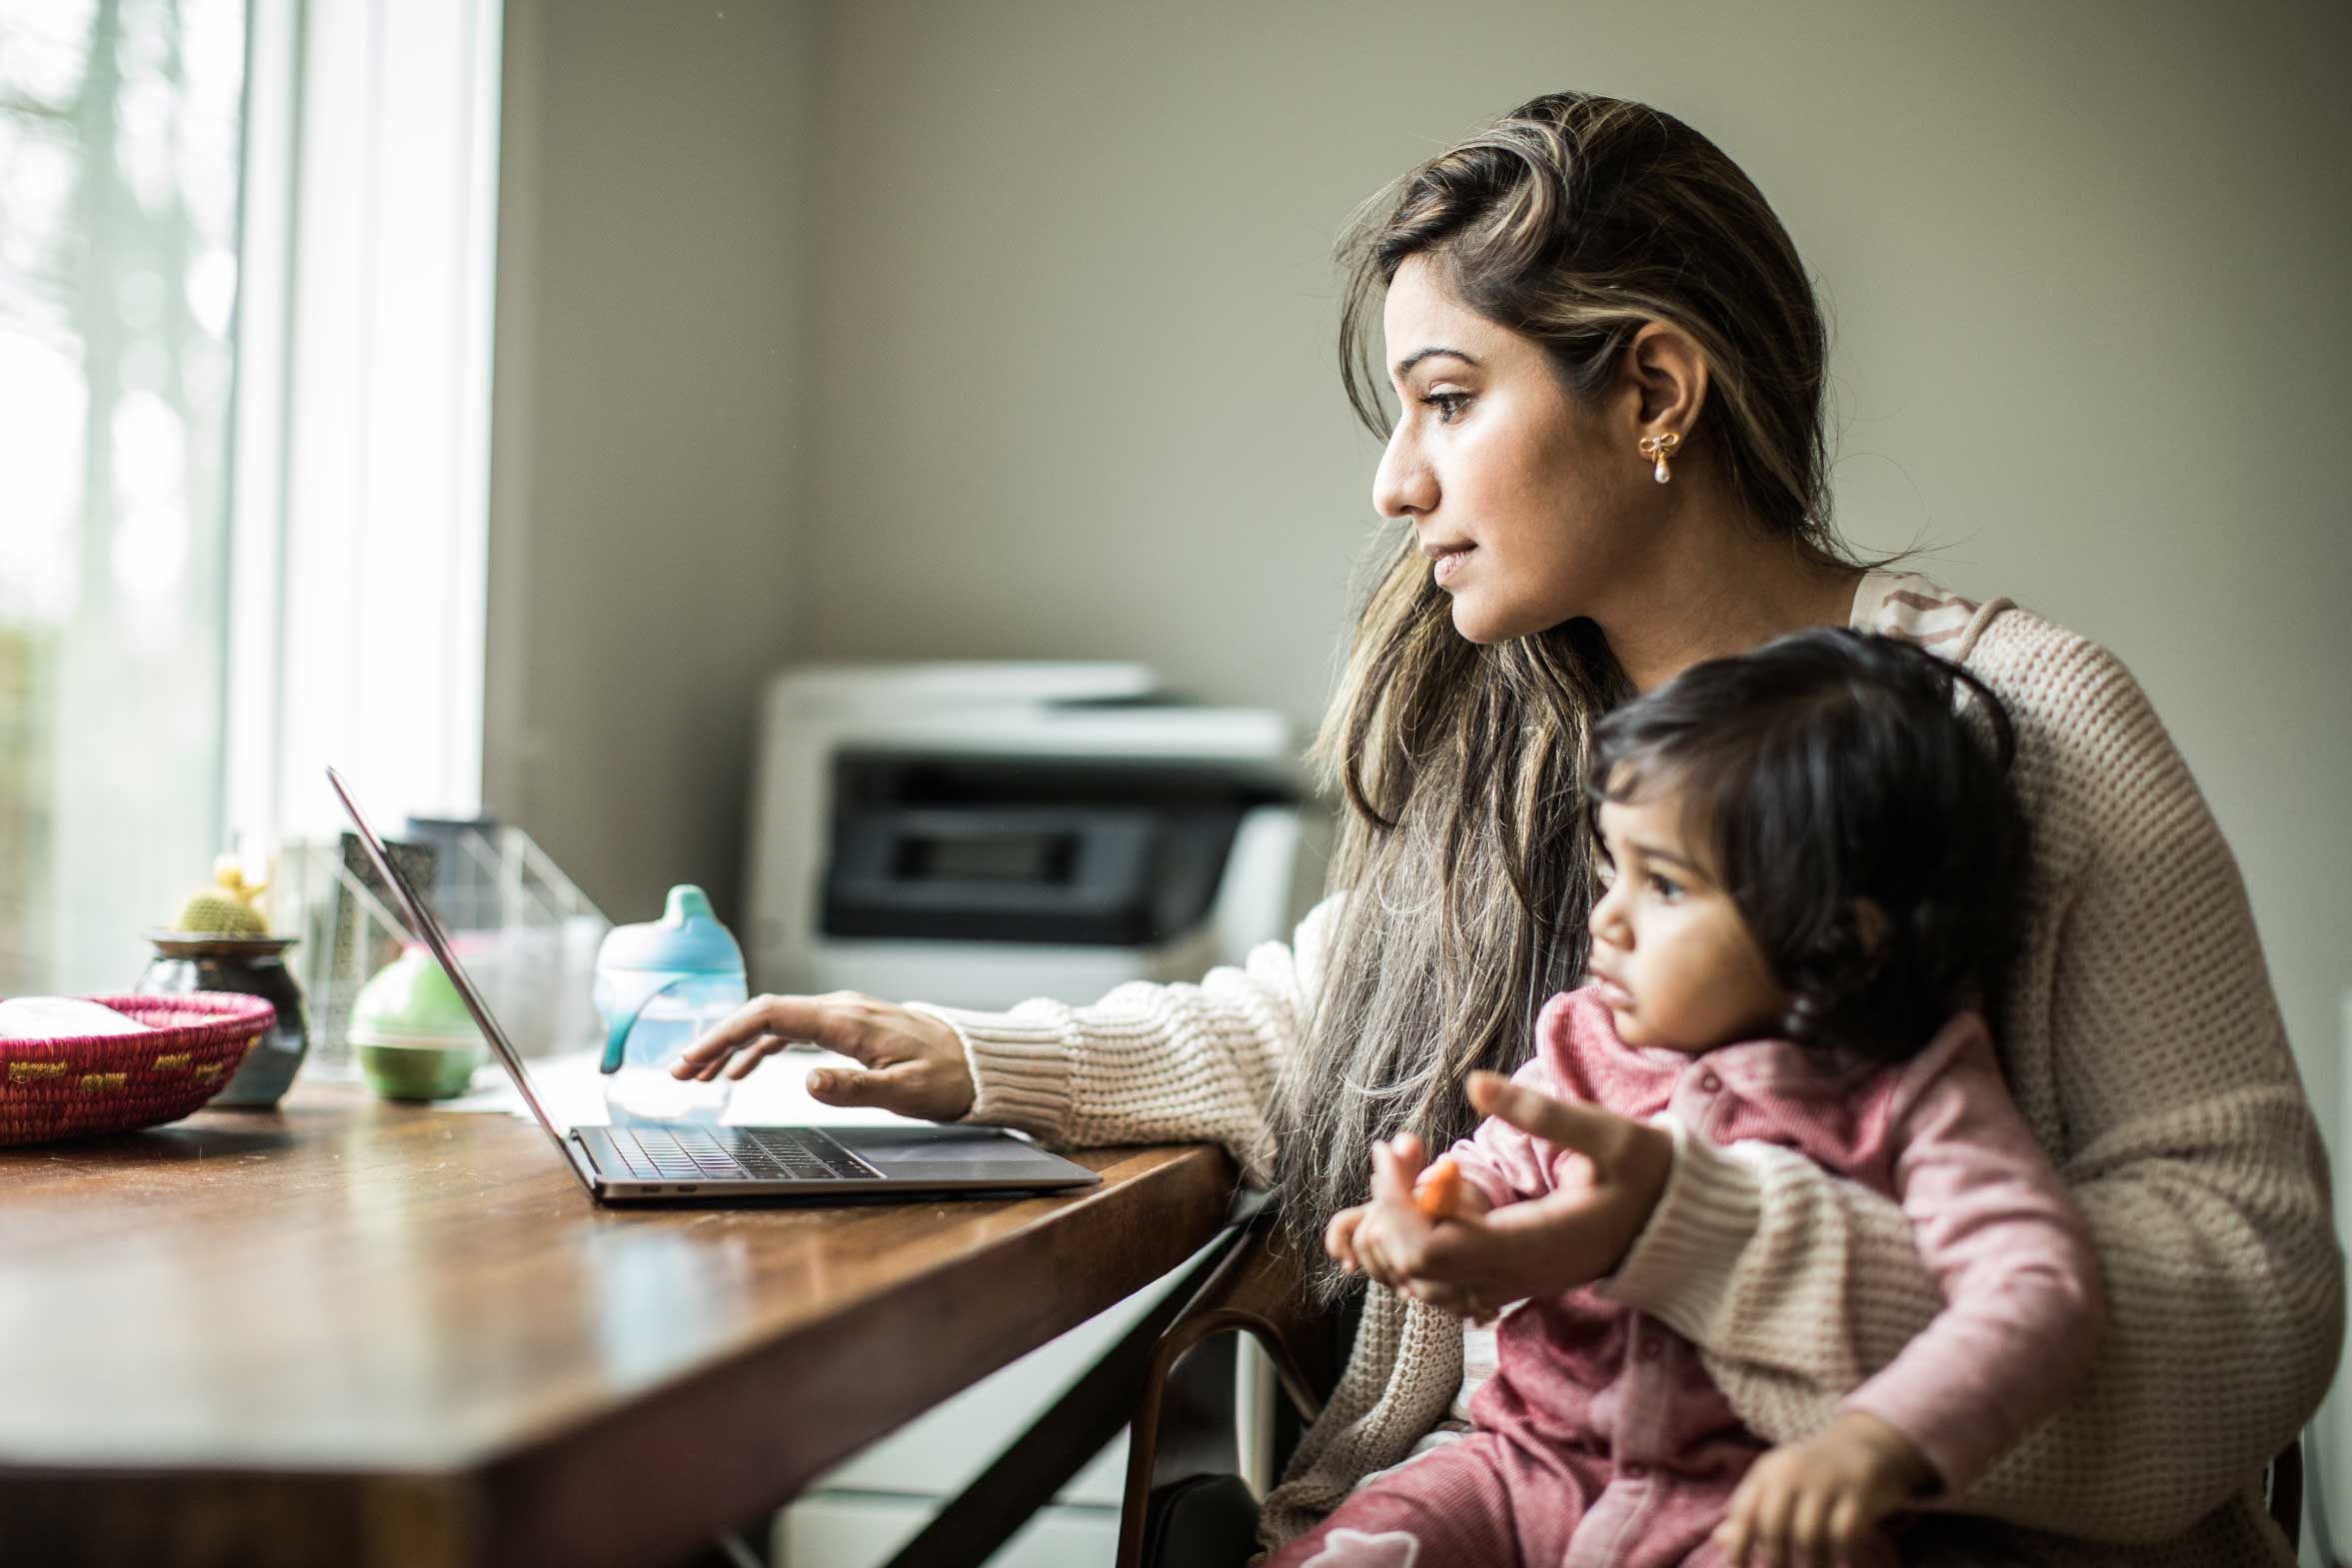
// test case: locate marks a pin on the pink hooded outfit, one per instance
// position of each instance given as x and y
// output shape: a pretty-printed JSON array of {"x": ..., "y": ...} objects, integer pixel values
[{"x": 1603, "y": 1442}]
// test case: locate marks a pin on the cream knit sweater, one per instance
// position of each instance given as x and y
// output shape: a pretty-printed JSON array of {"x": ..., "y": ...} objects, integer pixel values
[{"x": 2144, "y": 1047}]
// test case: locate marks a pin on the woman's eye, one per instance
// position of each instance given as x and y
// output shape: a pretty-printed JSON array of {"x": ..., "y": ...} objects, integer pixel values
[
  {"x": 1447, "y": 403},
  {"x": 1666, "y": 887}
]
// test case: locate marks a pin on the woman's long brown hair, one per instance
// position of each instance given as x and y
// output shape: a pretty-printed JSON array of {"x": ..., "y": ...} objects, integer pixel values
[{"x": 1574, "y": 220}]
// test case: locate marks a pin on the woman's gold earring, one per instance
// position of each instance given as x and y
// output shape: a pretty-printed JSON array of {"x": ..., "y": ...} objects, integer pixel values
[{"x": 1659, "y": 449}]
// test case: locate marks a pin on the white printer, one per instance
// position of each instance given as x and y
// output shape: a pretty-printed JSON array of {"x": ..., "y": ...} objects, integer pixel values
[{"x": 977, "y": 834}]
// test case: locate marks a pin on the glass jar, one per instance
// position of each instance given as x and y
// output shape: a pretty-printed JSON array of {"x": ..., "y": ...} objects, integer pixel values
[{"x": 188, "y": 961}]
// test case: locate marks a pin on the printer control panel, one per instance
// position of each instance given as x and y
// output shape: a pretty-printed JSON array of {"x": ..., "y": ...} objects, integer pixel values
[{"x": 977, "y": 848}]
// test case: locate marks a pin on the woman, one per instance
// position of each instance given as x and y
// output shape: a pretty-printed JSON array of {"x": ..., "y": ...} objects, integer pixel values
[{"x": 1612, "y": 461}]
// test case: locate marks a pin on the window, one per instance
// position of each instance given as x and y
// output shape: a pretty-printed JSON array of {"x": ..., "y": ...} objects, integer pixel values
[
  {"x": 245, "y": 263},
  {"x": 119, "y": 145}
]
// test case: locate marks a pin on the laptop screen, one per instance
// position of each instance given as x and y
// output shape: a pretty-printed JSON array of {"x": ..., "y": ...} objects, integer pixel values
[{"x": 426, "y": 926}]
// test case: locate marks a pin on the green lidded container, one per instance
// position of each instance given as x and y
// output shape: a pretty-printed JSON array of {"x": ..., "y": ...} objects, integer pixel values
[{"x": 412, "y": 1033}]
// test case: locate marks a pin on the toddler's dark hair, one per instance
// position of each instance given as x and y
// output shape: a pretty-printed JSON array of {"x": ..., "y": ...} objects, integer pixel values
[{"x": 1829, "y": 766}]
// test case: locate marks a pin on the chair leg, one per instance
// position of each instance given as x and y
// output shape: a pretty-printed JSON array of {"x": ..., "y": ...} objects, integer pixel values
[
  {"x": 1253, "y": 1294},
  {"x": 2286, "y": 1492},
  {"x": 1025, "y": 1477}
]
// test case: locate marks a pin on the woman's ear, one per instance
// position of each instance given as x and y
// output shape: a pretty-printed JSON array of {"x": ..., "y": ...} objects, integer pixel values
[{"x": 1667, "y": 376}]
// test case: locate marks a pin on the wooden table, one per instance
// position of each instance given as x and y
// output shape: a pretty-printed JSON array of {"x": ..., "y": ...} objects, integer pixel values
[{"x": 364, "y": 1334}]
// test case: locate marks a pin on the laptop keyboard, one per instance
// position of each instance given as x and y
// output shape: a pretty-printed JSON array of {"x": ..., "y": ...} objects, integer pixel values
[{"x": 736, "y": 1155}]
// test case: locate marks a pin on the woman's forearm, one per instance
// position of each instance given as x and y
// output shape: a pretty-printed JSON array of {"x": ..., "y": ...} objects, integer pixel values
[{"x": 1146, "y": 1063}]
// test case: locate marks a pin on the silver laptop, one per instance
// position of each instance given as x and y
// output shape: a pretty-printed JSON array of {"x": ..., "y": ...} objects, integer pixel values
[{"x": 666, "y": 1163}]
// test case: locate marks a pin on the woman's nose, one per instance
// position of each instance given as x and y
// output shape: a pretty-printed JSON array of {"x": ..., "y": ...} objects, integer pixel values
[{"x": 1403, "y": 485}]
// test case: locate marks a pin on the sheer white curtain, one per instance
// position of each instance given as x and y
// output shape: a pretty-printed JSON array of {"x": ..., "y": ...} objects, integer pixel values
[
  {"x": 119, "y": 135},
  {"x": 357, "y": 589},
  {"x": 245, "y": 266}
]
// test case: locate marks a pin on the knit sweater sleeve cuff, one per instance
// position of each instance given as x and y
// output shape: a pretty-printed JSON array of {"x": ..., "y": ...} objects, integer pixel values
[
  {"x": 1481, "y": 1172},
  {"x": 1020, "y": 1067},
  {"x": 1681, "y": 1268}
]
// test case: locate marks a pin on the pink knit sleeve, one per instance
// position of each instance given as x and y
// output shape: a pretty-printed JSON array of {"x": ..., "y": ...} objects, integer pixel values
[
  {"x": 2024, "y": 1305},
  {"x": 1503, "y": 1163}
]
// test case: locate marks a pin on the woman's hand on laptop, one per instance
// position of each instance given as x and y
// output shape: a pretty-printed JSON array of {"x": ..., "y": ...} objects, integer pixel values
[{"x": 907, "y": 1063}]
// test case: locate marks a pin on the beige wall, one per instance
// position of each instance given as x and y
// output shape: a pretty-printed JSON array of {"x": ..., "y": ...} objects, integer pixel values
[
  {"x": 1075, "y": 390},
  {"x": 1068, "y": 389},
  {"x": 649, "y": 466}
]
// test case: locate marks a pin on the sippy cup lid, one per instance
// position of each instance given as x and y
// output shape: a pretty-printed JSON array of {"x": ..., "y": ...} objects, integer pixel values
[{"x": 687, "y": 939}]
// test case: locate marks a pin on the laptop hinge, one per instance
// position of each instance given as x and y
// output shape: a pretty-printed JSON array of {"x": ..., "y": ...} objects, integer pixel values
[{"x": 583, "y": 1162}]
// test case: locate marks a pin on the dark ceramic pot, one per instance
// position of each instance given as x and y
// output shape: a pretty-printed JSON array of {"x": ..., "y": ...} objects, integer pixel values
[{"x": 195, "y": 961}]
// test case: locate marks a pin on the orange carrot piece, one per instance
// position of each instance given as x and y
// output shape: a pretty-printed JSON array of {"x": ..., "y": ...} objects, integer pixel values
[{"x": 1440, "y": 1193}]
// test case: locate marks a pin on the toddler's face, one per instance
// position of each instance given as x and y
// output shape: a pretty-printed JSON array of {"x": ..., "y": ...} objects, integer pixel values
[{"x": 1673, "y": 958}]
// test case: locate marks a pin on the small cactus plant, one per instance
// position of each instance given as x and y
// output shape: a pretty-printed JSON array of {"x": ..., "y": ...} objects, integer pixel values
[{"x": 225, "y": 909}]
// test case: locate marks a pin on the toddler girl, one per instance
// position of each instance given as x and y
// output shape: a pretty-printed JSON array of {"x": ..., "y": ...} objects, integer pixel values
[{"x": 1814, "y": 862}]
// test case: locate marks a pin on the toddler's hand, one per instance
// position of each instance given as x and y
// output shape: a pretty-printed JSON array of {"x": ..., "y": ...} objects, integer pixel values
[
  {"x": 1813, "y": 1503},
  {"x": 1339, "y": 1237},
  {"x": 1442, "y": 1194},
  {"x": 1389, "y": 1230},
  {"x": 1384, "y": 1239},
  {"x": 1438, "y": 1194}
]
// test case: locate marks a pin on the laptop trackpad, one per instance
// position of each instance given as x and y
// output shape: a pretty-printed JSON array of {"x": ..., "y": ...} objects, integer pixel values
[{"x": 925, "y": 1150}]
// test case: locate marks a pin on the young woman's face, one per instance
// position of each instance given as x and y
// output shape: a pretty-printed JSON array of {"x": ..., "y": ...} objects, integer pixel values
[
  {"x": 1670, "y": 950},
  {"x": 1498, "y": 468}
]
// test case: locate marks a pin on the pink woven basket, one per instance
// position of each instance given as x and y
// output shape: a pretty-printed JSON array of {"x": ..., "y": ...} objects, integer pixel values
[{"x": 70, "y": 1088}]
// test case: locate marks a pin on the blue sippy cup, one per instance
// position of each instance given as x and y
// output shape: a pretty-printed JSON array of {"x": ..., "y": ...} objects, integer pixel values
[{"x": 657, "y": 986}]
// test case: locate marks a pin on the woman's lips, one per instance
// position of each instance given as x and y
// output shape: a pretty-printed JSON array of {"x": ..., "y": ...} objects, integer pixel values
[
  {"x": 1611, "y": 992},
  {"x": 1450, "y": 561}
]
